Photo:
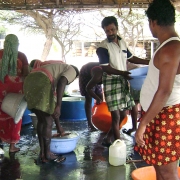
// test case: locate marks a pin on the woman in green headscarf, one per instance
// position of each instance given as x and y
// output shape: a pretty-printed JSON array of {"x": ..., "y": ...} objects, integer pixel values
[{"x": 13, "y": 69}]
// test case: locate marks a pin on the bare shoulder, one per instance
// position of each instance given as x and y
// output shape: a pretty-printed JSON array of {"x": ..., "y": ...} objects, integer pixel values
[{"x": 170, "y": 51}]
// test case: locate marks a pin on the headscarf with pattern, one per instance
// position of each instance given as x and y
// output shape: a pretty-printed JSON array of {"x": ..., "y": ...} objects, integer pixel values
[{"x": 9, "y": 58}]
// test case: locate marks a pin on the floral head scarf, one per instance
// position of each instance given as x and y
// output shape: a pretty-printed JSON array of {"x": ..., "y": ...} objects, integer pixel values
[{"x": 9, "y": 58}]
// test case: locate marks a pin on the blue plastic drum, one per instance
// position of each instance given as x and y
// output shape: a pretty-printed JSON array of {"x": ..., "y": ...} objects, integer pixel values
[
  {"x": 72, "y": 109},
  {"x": 26, "y": 119}
]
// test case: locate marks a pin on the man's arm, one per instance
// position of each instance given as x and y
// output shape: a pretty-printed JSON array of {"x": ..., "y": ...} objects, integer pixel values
[
  {"x": 110, "y": 70},
  {"x": 137, "y": 60}
]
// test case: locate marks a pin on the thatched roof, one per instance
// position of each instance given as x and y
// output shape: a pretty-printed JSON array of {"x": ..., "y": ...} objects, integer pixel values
[{"x": 70, "y": 4}]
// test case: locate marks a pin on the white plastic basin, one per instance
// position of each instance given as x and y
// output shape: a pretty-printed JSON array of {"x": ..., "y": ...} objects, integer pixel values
[{"x": 65, "y": 144}]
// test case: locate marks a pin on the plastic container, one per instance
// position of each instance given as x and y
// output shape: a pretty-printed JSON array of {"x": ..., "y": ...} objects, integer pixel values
[
  {"x": 101, "y": 117},
  {"x": 137, "y": 82},
  {"x": 65, "y": 144},
  {"x": 72, "y": 109},
  {"x": 34, "y": 120},
  {"x": 141, "y": 71},
  {"x": 26, "y": 119},
  {"x": 117, "y": 153},
  {"x": 146, "y": 173},
  {"x": 14, "y": 105}
]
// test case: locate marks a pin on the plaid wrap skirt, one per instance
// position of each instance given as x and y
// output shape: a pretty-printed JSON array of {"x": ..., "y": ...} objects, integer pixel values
[
  {"x": 162, "y": 137},
  {"x": 117, "y": 93}
]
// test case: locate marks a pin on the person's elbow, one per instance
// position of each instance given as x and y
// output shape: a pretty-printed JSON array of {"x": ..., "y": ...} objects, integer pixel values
[{"x": 165, "y": 92}]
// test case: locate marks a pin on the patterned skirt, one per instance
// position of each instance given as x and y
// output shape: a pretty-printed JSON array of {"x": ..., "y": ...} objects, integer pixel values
[
  {"x": 39, "y": 93},
  {"x": 117, "y": 93},
  {"x": 162, "y": 138}
]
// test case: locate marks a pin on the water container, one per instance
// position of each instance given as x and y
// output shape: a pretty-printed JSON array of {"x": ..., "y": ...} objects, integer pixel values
[{"x": 117, "y": 153}]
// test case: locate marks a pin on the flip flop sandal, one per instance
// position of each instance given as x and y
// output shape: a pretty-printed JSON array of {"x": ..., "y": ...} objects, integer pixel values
[
  {"x": 60, "y": 159},
  {"x": 125, "y": 131}
]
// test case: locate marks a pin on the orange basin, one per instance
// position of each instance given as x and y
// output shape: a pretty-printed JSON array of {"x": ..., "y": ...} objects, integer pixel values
[{"x": 146, "y": 173}]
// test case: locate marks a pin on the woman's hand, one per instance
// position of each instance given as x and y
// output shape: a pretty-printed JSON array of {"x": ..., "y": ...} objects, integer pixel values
[
  {"x": 57, "y": 112},
  {"x": 139, "y": 135}
]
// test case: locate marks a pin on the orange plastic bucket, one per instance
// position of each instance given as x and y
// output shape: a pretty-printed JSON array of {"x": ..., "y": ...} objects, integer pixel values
[
  {"x": 146, "y": 173},
  {"x": 101, "y": 117}
]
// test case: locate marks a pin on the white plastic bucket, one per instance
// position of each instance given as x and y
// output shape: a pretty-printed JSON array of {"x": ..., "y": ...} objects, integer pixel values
[{"x": 14, "y": 105}]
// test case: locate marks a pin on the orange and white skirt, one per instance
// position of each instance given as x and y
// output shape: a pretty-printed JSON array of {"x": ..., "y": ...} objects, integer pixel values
[{"x": 162, "y": 138}]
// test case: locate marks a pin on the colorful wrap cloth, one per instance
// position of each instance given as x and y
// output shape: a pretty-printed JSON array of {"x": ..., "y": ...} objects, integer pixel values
[
  {"x": 117, "y": 93},
  {"x": 39, "y": 93},
  {"x": 162, "y": 137},
  {"x": 39, "y": 63},
  {"x": 9, "y": 131}
]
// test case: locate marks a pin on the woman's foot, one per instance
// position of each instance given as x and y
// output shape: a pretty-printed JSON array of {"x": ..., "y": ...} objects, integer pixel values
[
  {"x": 13, "y": 149},
  {"x": 54, "y": 158}
]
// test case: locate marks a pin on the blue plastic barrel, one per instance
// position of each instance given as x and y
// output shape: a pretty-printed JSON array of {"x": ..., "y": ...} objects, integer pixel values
[
  {"x": 72, "y": 109},
  {"x": 26, "y": 119}
]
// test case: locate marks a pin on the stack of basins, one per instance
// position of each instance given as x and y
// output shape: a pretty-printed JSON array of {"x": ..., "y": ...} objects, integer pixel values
[{"x": 138, "y": 75}]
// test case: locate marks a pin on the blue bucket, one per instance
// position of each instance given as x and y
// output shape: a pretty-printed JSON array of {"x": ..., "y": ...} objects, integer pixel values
[
  {"x": 137, "y": 82},
  {"x": 141, "y": 71},
  {"x": 72, "y": 109},
  {"x": 26, "y": 119}
]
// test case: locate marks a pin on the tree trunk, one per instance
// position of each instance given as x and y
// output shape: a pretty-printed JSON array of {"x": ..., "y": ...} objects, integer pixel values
[{"x": 47, "y": 48}]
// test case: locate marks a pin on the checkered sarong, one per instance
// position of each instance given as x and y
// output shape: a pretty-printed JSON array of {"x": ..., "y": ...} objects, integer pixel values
[{"x": 117, "y": 93}]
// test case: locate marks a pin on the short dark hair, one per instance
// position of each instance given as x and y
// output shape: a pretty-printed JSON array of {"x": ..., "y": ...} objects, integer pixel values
[
  {"x": 109, "y": 20},
  {"x": 163, "y": 11}
]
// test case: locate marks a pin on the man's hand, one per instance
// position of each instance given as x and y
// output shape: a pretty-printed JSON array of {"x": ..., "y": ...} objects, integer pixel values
[{"x": 126, "y": 74}]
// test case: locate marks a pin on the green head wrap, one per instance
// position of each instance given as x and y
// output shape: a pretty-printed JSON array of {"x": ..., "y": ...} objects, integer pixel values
[{"x": 9, "y": 59}]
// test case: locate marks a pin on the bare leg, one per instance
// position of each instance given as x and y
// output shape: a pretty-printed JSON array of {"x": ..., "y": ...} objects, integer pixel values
[
  {"x": 46, "y": 134},
  {"x": 115, "y": 123},
  {"x": 88, "y": 110},
  {"x": 167, "y": 172},
  {"x": 13, "y": 148},
  {"x": 134, "y": 112},
  {"x": 39, "y": 132},
  {"x": 107, "y": 140}
]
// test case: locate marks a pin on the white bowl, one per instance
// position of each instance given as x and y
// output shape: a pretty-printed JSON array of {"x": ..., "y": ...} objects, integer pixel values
[{"x": 65, "y": 144}]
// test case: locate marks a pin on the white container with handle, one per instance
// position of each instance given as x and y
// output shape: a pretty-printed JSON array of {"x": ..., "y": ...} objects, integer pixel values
[{"x": 117, "y": 153}]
